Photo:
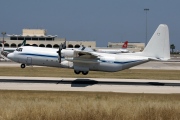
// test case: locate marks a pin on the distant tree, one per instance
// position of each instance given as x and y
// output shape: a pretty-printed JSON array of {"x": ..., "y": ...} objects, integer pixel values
[{"x": 172, "y": 48}]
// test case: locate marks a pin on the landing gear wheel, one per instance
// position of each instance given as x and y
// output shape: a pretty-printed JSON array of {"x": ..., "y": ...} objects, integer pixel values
[
  {"x": 85, "y": 72},
  {"x": 77, "y": 72},
  {"x": 23, "y": 65}
]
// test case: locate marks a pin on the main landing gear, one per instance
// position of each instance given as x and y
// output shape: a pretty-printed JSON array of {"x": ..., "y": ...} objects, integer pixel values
[
  {"x": 23, "y": 65},
  {"x": 83, "y": 72},
  {"x": 77, "y": 72}
]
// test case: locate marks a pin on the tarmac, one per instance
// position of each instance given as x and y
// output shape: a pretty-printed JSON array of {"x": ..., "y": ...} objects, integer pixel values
[{"x": 90, "y": 84}]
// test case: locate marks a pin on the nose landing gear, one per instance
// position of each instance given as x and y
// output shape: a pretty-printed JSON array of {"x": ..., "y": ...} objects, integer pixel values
[{"x": 23, "y": 65}]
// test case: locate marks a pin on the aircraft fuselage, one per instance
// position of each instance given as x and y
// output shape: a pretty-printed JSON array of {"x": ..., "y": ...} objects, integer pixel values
[{"x": 49, "y": 57}]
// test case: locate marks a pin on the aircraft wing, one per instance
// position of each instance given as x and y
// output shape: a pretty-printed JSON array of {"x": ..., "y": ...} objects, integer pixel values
[{"x": 83, "y": 57}]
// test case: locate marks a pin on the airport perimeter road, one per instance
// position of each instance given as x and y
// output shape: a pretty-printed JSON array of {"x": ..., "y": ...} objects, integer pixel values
[{"x": 90, "y": 84}]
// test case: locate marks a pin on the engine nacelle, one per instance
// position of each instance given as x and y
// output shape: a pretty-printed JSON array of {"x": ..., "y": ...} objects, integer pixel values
[
  {"x": 67, "y": 64},
  {"x": 67, "y": 53}
]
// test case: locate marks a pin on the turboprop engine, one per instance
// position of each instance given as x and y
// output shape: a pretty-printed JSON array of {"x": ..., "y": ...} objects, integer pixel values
[
  {"x": 67, "y": 52},
  {"x": 63, "y": 52}
]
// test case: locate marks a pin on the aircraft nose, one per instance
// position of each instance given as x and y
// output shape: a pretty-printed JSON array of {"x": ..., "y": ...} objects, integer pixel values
[{"x": 10, "y": 56}]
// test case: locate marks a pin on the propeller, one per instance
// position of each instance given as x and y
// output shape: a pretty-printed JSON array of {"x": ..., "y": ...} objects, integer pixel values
[
  {"x": 83, "y": 48},
  {"x": 59, "y": 52},
  {"x": 64, "y": 45},
  {"x": 61, "y": 46}
]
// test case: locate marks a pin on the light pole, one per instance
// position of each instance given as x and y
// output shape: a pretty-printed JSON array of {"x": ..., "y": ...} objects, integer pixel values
[
  {"x": 146, "y": 10},
  {"x": 3, "y": 33}
]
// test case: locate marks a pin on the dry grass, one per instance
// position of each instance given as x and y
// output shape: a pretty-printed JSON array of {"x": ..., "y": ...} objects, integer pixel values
[
  {"x": 37, "y": 105},
  {"x": 61, "y": 72}
]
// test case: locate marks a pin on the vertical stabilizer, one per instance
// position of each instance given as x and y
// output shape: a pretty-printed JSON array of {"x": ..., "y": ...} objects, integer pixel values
[
  {"x": 158, "y": 47},
  {"x": 125, "y": 45},
  {"x": 23, "y": 43}
]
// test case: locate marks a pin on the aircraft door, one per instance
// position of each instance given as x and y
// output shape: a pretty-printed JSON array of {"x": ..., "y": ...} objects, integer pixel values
[{"x": 29, "y": 61}]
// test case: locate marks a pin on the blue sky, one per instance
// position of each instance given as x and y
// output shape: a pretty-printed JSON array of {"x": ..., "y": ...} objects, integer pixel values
[{"x": 102, "y": 21}]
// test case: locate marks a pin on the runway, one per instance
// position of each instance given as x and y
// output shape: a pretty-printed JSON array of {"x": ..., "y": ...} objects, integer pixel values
[
  {"x": 90, "y": 84},
  {"x": 157, "y": 65}
]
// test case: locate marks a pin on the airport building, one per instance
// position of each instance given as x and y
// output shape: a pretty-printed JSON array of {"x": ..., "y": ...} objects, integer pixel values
[{"x": 39, "y": 37}]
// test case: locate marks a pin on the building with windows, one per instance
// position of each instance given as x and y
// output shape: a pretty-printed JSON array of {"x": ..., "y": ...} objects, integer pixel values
[{"x": 39, "y": 37}]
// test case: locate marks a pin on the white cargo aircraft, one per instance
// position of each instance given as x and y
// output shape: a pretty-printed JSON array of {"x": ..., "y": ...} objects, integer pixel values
[
  {"x": 83, "y": 60},
  {"x": 115, "y": 51}
]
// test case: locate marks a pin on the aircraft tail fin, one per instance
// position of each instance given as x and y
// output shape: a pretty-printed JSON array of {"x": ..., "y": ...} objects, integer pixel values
[
  {"x": 125, "y": 45},
  {"x": 158, "y": 47},
  {"x": 23, "y": 43}
]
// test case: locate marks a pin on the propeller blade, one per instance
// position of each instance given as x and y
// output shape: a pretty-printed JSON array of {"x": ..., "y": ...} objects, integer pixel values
[
  {"x": 64, "y": 45},
  {"x": 59, "y": 52}
]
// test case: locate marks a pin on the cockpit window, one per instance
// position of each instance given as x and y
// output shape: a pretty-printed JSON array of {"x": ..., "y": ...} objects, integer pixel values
[{"x": 19, "y": 49}]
